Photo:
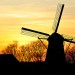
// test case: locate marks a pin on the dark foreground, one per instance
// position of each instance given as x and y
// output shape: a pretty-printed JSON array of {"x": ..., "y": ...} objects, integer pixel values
[
  {"x": 39, "y": 68},
  {"x": 9, "y": 64}
]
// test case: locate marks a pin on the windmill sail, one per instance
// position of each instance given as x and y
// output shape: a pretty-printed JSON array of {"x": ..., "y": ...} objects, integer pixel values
[
  {"x": 39, "y": 35},
  {"x": 58, "y": 17},
  {"x": 69, "y": 38},
  {"x": 34, "y": 33}
]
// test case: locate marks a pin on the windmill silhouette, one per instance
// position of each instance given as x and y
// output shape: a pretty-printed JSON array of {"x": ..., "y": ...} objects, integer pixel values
[{"x": 55, "y": 52}]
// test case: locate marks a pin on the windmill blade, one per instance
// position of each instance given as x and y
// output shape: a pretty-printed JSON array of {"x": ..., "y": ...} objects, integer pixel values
[
  {"x": 58, "y": 15},
  {"x": 69, "y": 38},
  {"x": 34, "y": 33}
]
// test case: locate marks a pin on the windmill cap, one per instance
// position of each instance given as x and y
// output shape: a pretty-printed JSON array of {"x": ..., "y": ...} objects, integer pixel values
[{"x": 55, "y": 36}]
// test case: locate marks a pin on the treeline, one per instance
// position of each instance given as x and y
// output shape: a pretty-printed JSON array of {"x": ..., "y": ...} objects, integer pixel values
[{"x": 35, "y": 52}]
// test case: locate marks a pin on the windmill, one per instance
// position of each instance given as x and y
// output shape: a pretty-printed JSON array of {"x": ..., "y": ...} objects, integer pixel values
[{"x": 55, "y": 51}]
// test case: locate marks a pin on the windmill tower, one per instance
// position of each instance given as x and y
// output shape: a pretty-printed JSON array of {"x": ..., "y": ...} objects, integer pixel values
[{"x": 55, "y": 51}]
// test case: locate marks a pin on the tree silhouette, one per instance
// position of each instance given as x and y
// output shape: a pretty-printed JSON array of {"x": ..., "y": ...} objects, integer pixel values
[
  {"x": 32, "y": 52},
  {"x": 35, "y": 52}
]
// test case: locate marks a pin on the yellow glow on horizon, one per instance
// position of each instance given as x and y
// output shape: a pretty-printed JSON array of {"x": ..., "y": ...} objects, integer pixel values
[
  {"x": 33, "y": 15},
  {"x": 11, "y": 33}
]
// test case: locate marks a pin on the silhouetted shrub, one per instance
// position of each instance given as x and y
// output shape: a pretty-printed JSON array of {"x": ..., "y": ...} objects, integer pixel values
[
  {"x": 33, "y": 52},
  {"x": 11, "y": 48},
  {"x": 70, "y": 54}
]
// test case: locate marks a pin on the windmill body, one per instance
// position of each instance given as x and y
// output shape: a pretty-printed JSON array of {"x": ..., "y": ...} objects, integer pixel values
[{"x": 55, "y": 52}]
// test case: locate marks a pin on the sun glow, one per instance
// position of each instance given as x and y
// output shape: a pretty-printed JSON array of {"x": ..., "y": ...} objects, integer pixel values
[{"x": 37, "y": 15}]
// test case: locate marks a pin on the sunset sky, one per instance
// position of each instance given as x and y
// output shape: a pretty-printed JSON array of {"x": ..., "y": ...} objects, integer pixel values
[{"x": 34, "y": 14}]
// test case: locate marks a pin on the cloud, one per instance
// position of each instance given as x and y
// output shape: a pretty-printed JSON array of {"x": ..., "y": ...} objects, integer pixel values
[
  {"x": 21, "y": 2},
  {"x": 12, "y": 2}
]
